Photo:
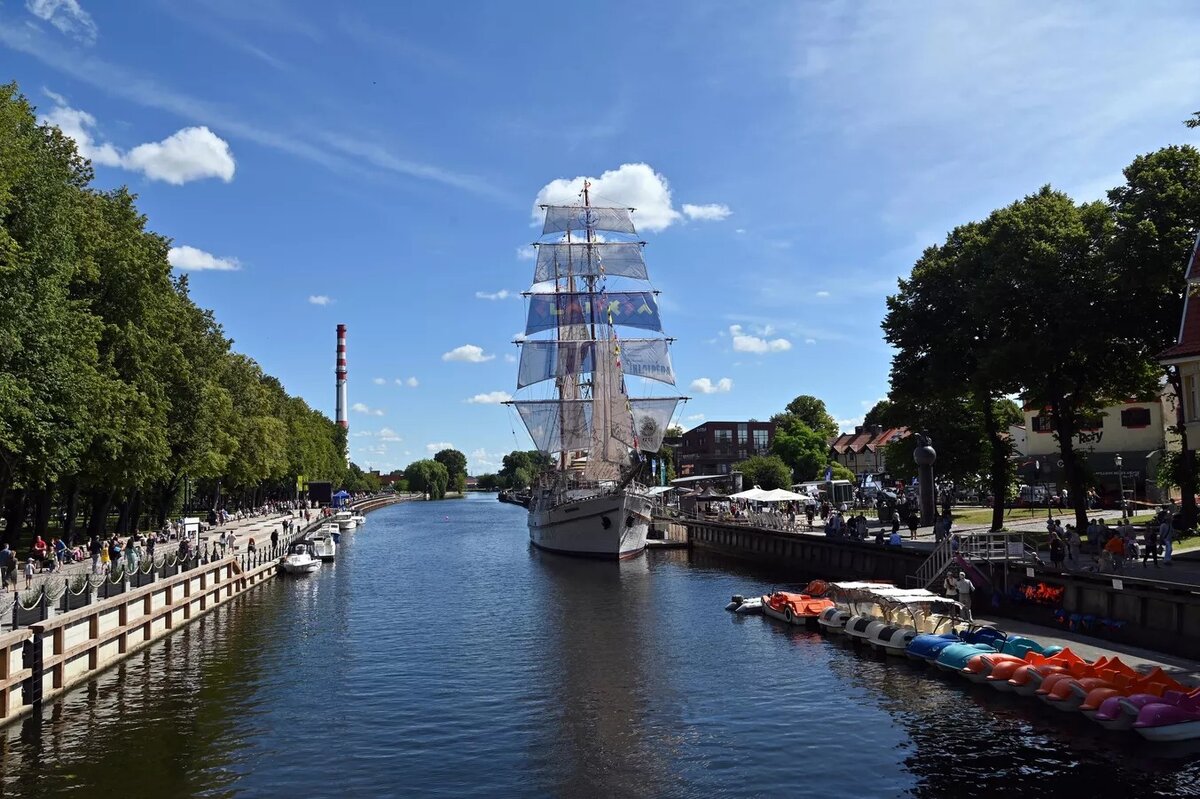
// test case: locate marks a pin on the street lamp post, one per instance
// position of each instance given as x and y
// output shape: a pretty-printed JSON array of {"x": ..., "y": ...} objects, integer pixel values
[{"x": 1121, "y": 487}]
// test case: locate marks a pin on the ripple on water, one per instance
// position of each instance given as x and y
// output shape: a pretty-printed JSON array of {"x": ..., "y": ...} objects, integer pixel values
[{"x": 446, "y": 658}]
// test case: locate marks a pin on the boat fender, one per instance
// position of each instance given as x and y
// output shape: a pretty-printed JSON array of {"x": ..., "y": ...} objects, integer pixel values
[
  {"x": 788, "y": 614},
  {"x": 605, "y": 522}
]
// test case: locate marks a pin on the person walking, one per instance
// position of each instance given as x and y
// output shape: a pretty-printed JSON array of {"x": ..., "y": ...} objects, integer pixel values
[
  {"x": 1074, "y": 545},
  {"x": 1056, "y": 551},
  {"x": 913, "y": 522},
  {"x": 1151, "y": 541},
  {"x": 8, "y": 565},
  {"x": 965, "y": 588},
  {"x": 274, "y": 540},
  {"x": 29, "y": 571},
  {"x": 1166, "y": 534}
]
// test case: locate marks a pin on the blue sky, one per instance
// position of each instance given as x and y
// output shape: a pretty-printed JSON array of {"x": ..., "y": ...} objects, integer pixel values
[{"x": 376, "y": 163}]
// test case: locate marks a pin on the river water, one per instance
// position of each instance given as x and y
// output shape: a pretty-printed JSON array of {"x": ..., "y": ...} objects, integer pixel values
[{"x": 441, "y": 656}]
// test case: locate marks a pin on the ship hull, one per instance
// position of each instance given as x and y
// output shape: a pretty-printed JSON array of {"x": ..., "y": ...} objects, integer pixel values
[{"x": 609, "y": 526}]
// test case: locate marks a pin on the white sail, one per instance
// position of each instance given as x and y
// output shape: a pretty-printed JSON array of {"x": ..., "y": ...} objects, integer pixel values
[
  {"x": 543, "y": 419},
  {"x": 640, "y": 357},
  {"x": 612, "y": 423},
  {"x": 569, "y": 218},
  {"x": 618, "y": 259}
]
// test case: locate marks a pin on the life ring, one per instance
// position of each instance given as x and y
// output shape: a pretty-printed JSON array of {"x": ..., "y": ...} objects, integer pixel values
[{"x": 788, "y": 614}]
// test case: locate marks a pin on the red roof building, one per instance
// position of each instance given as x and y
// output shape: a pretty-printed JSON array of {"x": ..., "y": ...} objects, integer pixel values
[{"x": 862, "y": 451}]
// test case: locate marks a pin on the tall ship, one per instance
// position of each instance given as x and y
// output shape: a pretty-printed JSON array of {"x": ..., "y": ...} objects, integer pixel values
[{"x": 590, "y": 281}]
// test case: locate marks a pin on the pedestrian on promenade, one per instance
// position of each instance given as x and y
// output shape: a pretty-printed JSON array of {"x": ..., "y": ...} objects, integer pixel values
[
  {"x": 965, "y": 587},
  {"x": 1056, "y": 551},
  {"x": 1151, "y": 541},
  {"x": 39, "y": 547},
  {"x": 1073, "y": 546},
  {"x": 1115, "y": 547},
  {"x": 94, "y": 549},
  {"x": 29, "y": 571},
  {"x": 810, "y": 510},
  {"x": 950, "y": 585},
  {"x": 8, "y": 563},
  {"x": 105, "y": 557},
  {"x": 250, "y": 548},
  {"x": 1166, "y": 534},
  {"x": 913, "y": 523},
  {"x": 274, "y": 540}
]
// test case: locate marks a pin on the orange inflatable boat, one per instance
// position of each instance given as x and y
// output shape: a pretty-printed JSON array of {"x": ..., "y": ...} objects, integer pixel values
[{"x": 795, "y": 608}]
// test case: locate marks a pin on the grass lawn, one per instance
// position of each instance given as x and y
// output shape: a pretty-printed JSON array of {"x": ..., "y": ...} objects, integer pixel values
[{"x": 975, "y": 516}]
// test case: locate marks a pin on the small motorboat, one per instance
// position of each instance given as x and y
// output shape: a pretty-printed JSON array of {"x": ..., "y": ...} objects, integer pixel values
[
  {"x": 333, "y": 531},
  {"x": 744, "y": 604},
  {"x": 359, "y": 519},
  {"x": 345, "y": 520},
  {"x": 1174, "y": 717},
  {"x": 323, "y": 546},
  {"x": 794, "y": 608},
  {"x": 1155, "y": 682},
  {"x": 299, "y": 559}
]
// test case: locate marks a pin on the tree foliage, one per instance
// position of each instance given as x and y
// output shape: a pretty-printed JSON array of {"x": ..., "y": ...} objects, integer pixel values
[
  {"x": 802, "y": 449},
  {"x": 765, "y": 471},
  {"x": 115, "y": 388},
  {"x": 811, "y": 411},
  {"x": 427, "y": 477},
  {"x": 520, "y": 468},
  {"x": 456, "y": 467}
]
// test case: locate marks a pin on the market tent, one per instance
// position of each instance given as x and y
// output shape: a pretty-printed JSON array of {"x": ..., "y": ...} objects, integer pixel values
[
  {"x": 755, "y": 494},
  {"x": 783, "y": 495},
  {"x": 343, "y": 494}
]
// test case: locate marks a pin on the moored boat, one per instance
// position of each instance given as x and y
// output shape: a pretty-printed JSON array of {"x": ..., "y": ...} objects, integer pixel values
[
  {"x": 1155, "y": 682},
  {"x": 1174, "y": 717},
  {"x": 345, "y": 520},
  {"x": 1068, "y": 691},
  {"x": 745, "y": 604},
  {"x": 299, "y": 559},
  {"x": 323, "y": 546},
  {"x": 794, "y": 608}
]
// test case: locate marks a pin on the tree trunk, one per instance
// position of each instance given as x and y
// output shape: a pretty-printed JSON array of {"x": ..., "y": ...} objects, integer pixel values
[
  {"x": 70, "y": 510},
  {"x": 98, "y": 517},
  {"x": 14, "y": 512},
  {"x": 1065, "y": 424},
  {"x": 41, "y": 510},
  {"x": 1187, "y": 458},
  {"x": 123, "y": 516},
  {"x": 999, "y": 463}
]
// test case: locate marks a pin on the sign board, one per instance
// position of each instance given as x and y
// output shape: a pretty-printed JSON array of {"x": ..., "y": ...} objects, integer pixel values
[
  {"x": 1118, "y": 583},
  {"x": 1029, "y": 571},
  {"x": 191, "y": 527},
  {"x": 301, "y": 483}
]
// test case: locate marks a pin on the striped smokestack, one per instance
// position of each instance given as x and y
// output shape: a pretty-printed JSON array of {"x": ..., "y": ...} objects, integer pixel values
[{"x": 342, "y": 410}]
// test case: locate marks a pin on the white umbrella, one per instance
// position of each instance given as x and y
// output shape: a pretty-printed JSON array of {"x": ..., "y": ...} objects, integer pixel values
[
  {"x": 782, "y": 495},
  {"x": 756, "y": 494}
]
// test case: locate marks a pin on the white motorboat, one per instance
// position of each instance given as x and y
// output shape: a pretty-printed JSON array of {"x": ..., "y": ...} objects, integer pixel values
[
  {"x": 323, "y": 546},
  {"x": 299, "y": 559},
  {"x": 359, "y": 519},
  {"x": 345, "y": 520},
  {"x": 332, "y": 529},
  {"x": 745, "y": 604}
]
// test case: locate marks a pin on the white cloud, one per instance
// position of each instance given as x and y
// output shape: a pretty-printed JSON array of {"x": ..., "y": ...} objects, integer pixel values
[
  {"x": 740, "y": 230},
  {"x": 713, "y": 212},
  {"x": 483, "y": 461},
  {"x": 67, "y": 16},
  {"x": 630, "y": 185},
  {"x": 361, "y": 407},
  {"x": 412, "y": 382},
  {"x": 510, "y": 358},
  {"x": 695, "y": 417},
  {"x": 388, "y": 434},
  {"x": 319, "y": 299},
  {"x": 502, "y": 294},
  {"x": 743, "y": 342},
  {"x": 437, "y": 446},
  {"x": 491, "y": 398},
  {"x": 527, "y": 253},
  {"x": 189, "y": 154},
  {"x": 468, "y": 353},
  {"x": 822, "y": 293},
  {"x": 191, "y": 259},
  {"x": 848, "y": 425},
  {"x": 706, "y": 386},
  {"x": 379, "y": 381},
  {"x": 810, "y": 341}
]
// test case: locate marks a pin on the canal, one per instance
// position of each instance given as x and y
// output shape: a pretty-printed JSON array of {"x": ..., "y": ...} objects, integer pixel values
[{"x": 441, "y": 656}]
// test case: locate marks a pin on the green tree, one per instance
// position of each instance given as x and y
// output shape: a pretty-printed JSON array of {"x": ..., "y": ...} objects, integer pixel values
[
  {"x": 520, "y": 468},
  {"x": 812, "y": 412},
  {"x": 765, "y": 471},
  {"x": 842, "y": 472},
  {"x": 882, "y": 413},
  {"x": 1157, "y": 214},
  {"x": 456, "y": 467},
  {"x": 428, "y": 477},
  {"x": 802, "y": 449}
]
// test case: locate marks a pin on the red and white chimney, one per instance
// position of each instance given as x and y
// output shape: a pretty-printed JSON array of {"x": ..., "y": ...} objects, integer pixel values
[{"x": 342, "y": 409}]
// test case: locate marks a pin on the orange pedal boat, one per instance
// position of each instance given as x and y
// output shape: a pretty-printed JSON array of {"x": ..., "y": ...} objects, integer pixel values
[
  {"x": 795, "y": 608},
  {"x": 1026, "y": 677},
  {"x": 1155, "y": 682},
  {"x": 1068, "y": 691}
]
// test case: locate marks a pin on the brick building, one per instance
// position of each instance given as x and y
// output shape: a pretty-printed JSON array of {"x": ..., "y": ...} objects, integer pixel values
[{"x": 714, "y": 447}]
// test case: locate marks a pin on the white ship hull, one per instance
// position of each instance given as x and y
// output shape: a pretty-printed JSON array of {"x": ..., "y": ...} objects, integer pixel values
[{"x": 609, "y": 526}]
